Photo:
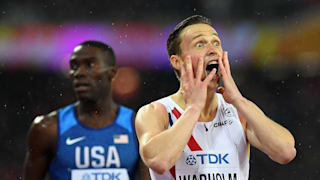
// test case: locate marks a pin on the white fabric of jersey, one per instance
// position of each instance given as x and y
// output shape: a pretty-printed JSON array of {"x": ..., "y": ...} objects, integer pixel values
[{"x": 216, "y": 150}]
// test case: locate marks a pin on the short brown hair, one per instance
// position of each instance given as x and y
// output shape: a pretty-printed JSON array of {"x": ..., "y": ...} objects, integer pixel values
[{"x": 174, "y": 41}]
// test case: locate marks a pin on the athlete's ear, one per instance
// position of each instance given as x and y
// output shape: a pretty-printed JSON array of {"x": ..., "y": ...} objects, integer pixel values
[
  {"x": 112, "y": 72},
  {"x": 176, "y": 62}
]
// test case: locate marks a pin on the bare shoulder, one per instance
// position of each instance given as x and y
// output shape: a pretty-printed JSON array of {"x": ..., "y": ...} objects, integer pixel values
[
  {"x": 45, "y": 123},
  {"x": 153, "y": 109},
  {"x": 43, "y": 131},
  {"x": 152, "y": 119}
]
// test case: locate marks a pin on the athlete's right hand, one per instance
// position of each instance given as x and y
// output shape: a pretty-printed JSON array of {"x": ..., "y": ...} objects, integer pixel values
[{"x": 194, "y": 89}]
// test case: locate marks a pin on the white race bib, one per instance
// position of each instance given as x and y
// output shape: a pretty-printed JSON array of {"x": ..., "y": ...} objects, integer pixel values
[{"x": 100, "y": 174}]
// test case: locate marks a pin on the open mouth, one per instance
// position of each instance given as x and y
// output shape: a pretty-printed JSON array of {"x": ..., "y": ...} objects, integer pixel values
[{"x": 210, "y": 67}]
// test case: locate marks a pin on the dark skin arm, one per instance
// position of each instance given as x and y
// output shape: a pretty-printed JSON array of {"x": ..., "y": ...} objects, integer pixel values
[
  {"x": 143, "y": 171},
  {"x": 42, "y": 143}
]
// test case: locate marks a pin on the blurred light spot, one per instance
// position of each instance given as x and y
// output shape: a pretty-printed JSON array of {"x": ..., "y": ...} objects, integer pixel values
[
  {"x": 126, "y": 83},
  {"x": 38, "y": 119}
]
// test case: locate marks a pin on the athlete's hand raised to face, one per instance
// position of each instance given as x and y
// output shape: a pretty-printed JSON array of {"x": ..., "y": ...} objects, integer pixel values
[
  {"x": 230, "y": 91},
  {"x": 194, "y": 89}
]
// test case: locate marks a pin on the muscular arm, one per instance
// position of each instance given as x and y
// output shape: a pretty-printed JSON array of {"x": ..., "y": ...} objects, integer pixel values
[
  {"x": 160, "y": 147},
  {"x": 41, "y": 142},
  {"x": 143, "y": 171},
  {"x": 263, "y": 133}
]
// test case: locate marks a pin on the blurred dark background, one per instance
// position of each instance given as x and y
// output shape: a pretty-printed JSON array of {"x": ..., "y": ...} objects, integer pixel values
[{"x": 273, "y": 46}]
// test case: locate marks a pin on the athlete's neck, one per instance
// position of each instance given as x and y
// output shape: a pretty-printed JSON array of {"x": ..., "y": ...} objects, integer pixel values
[
  {"x": 210, "y": 109},
  {"x": 98, "y": 114},
  {"x": 99, "y": 107}
]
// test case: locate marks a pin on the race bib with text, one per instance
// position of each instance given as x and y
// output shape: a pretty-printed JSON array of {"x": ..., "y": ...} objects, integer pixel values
[{"x": 100, "y": 174}]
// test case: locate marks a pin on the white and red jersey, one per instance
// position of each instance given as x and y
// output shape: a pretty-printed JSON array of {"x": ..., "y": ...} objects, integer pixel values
[{"x": 217, "y": 150}]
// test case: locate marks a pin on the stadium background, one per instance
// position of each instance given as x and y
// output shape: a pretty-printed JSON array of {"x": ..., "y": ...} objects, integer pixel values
[{"x": 273, "y": 45}]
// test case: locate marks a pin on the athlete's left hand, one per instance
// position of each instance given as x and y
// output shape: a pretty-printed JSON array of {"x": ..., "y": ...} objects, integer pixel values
[{"x": 230, "y": 92}]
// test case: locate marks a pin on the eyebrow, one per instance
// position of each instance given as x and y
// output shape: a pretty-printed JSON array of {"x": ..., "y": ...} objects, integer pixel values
[
  {"x": 91, "y": 58},
  {"x": 215, "y": 34}
]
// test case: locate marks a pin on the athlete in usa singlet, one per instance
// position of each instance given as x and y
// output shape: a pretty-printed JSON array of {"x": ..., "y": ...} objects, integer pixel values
[
  {"x": 95, "y": 154},
  {"x": 217, "y": 150}
]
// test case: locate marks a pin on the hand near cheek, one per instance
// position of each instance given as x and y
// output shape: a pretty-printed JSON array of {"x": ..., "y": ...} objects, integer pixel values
[
  {"x": 194, "y": 89},
  {"x": 230, "y": 92}
]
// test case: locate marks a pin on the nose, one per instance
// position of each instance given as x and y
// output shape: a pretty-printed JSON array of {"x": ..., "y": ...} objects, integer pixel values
[{"x": 212, "y": 51}]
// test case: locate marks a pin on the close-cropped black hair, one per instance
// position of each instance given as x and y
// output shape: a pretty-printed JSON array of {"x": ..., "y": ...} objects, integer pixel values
[{"x": 103, "y": 47}]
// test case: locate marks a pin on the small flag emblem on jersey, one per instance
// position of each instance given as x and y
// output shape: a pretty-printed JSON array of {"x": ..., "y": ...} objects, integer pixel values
[{"x": 121, "y": 139}]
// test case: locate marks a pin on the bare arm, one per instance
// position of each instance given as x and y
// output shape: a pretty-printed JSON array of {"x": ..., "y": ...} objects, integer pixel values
[
  {"x": 268, "y": 136},
  {"x": 143, "y": 171},
  {"x": 41, "y": 140},
  {"x": 161, "y": 147},
  {"x": 263, "y": 133}
]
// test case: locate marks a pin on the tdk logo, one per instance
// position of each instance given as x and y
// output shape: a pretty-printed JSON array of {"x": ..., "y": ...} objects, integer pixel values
[
  {"x": 191, "y": 160},
  {"x": 102, "y": 176},
  {"x": 86, "y": 177},
  {"x": 213, "y": 158}
]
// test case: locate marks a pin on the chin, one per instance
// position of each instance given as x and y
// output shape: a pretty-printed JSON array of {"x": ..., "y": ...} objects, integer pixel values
[{"x": 85, "y": 97}]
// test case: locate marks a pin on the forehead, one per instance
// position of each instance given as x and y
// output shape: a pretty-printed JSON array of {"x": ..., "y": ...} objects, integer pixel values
[
  {"x": 83, "y": 52},
  {"x": 192, "y": 31}
]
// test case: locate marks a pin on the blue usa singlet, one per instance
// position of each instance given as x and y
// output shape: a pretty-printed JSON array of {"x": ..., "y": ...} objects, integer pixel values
[{"x": 85, "y": 153}]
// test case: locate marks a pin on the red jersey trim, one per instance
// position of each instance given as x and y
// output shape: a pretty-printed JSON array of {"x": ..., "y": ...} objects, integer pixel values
[
  {"x": 192, "y": 143},
  {"x": 173, "y": 172}
]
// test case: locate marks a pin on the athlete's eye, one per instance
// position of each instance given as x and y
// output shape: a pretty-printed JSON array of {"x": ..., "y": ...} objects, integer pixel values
[
  {"x": 91, "y": 64},
  {"x": 74, "y": 65},
  {"x": 199, "y": 45},
  {"x": 216, "y": 43}
]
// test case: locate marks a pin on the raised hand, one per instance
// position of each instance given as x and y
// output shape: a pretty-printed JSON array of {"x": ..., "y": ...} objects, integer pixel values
[
  {"x": 230, "y": 91},
  {"x": 194, "y": 89}
]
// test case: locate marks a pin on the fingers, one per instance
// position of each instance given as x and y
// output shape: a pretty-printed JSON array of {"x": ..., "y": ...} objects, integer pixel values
[
  {"x": 226, "y": 62},
  {"x": 189, "y": 69},
  {"x": 183, "y": 73},
  {"x": 210, "y": 76},
  {"x": 200, "y": 69},
  {"x": 221, "y": 67}
]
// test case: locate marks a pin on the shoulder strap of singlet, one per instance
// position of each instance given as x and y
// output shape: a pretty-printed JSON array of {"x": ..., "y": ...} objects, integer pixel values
[
  {"x": 124, "y": 118},
  {"x": 66, "y": 118},
  {"x": 230, "y": 113}
]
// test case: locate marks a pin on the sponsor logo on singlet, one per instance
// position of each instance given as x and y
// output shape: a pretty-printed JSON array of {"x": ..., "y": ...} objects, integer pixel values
[
  {"x": 208, "y": 165},
  {"x": 227, "y": 112},
  {"x": 219, "y": 158},
  {"x": 191, "y": 160},
  {"x": 70, "y": 141},
  {"x": 100, "y": 174},
  {"x": 222, "y": 123}
]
